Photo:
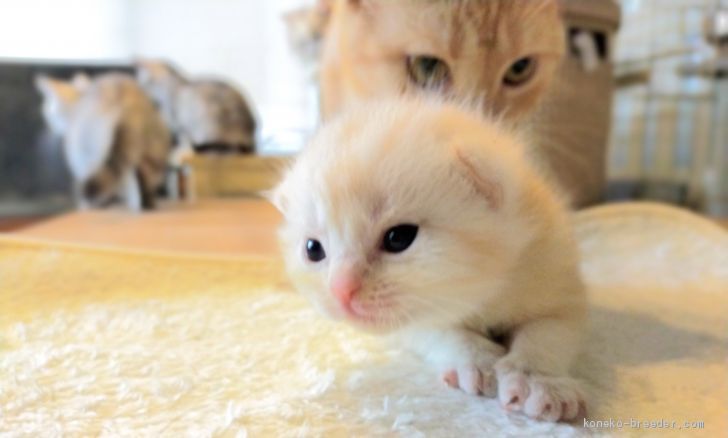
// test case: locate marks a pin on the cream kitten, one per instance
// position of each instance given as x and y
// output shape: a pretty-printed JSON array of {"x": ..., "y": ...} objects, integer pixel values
[
  {"x": 114, "y": 141},
  {"x": 425, "y": 220}
]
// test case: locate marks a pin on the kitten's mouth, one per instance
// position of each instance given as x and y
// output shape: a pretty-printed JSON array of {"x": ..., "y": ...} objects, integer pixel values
[{"x": 371, "y": 313}]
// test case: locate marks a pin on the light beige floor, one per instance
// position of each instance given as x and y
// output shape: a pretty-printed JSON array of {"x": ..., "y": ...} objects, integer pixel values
[
  {"x": 163, "y": 345},
  {"x": 239, "y": 226},
  {"x": 245, "y": 226}
]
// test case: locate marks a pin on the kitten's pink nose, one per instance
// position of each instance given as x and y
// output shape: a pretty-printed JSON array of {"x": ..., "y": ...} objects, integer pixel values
[{"x": 344, "y": 287}]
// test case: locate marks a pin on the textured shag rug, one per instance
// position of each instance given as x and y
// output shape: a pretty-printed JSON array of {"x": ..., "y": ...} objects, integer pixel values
[{"x": 100, "y": 342}]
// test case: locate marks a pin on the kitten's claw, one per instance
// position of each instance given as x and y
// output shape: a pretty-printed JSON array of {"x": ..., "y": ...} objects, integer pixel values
[
  {"x": 472, "y": 380},
  {"x": 450, "y": 377},
  {"x": 475, "y": 375},
  {"x": 513, "y": 391},
  {"x": 541, "y": 397}
]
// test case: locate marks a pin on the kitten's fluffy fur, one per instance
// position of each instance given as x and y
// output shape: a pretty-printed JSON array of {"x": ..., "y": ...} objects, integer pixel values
[
  {"x": 494, "y": 252},
  {"x": 114, "y": 140}
]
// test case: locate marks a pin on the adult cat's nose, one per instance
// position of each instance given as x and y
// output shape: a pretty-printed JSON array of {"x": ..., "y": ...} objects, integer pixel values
[{"x": 344, "y": 286}]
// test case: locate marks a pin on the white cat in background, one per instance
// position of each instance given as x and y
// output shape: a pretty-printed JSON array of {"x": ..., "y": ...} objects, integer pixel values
[
  {"x": 425, "y": 220},
  {"x": 114, "y": 141}
]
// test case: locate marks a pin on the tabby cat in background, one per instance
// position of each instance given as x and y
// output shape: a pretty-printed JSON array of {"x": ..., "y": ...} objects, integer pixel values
[
  {"x": 115, "y": 142},
  {"x": 502, "y": 54},
  {"x": 203, "y": 114}
]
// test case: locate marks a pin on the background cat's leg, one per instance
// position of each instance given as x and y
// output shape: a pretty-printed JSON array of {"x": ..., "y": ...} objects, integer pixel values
[
  {"x": 131, "y": 190},
  {"x": 463, "y": 357},
  {"x": 534, "y": 376},
  {"x": 145, "y": 178},
  {"x": 79, "y": 199},
  {"x": 183, "y": 150}
]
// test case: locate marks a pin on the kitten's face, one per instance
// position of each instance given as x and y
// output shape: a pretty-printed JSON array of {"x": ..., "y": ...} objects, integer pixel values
[
  {"x": 389, "y": 223},
  {"x": 499, "y": 53}
]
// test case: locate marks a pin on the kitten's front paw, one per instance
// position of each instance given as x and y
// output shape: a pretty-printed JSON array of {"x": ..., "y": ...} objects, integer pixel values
[
  {"x": 474, "y": 373},
  {"x": 541, "y": 397}
]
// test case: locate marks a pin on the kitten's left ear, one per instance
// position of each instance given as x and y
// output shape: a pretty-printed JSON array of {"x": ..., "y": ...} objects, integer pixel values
[
  {"x": 482, "y": 179},
  {"x": 277, "y": 197}
]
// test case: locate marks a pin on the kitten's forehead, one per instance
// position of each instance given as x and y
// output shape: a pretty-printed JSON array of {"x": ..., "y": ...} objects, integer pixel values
[
  {"x": 359, "y": 175},
  {"x": 346, "y": 203},
  {"x": 347, "y": 223}
]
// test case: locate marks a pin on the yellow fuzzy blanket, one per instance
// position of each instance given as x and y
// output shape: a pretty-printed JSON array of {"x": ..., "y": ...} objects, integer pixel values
[{"x": 100, "y": 342}]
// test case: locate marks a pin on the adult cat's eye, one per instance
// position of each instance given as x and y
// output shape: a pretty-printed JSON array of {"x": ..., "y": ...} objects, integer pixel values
[
  {"x": 399, "y": 238},
  {"x": 520, "y": 72},
  {"x": 428, "y": 71},
  {"x": 315, "y": 250}
]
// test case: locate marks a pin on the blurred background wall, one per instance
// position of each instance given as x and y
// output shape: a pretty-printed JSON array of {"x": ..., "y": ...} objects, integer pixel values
[
  {"x": 243, "y": 41},
  {"x": 669, "y": 134},
  {"x": 64, "y": 29}
]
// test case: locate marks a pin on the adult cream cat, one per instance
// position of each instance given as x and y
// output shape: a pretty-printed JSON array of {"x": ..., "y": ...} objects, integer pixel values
[
  {"x": 425, "y": 220},
  {"x": 114, "y": 140},
  {"x": 502, "y": 54}
]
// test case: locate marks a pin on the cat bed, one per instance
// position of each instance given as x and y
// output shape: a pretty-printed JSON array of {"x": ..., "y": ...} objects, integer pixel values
[{"x": 103, "y": 342}]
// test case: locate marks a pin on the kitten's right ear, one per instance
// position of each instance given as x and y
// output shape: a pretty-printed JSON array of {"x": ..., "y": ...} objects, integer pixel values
[{"x": 482, "y": 180}]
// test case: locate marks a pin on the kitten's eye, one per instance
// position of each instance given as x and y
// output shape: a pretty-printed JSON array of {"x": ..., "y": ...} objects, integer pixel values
[
  {"x": 428, "y": 71},
  {"x": 520, "y": 72},
  {"x": 315, "y": 251},
  {"x": 399, "y": 238}
]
